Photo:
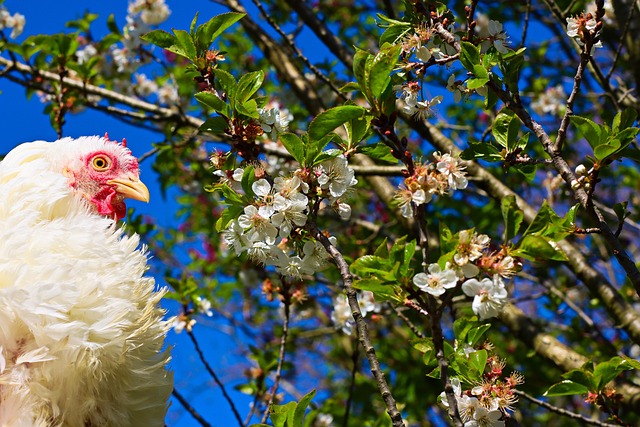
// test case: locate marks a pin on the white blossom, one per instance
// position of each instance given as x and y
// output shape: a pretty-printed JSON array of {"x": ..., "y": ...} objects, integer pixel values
[
  {"x": 470, "y": 247},
  {"x": 262, "y": 189},
  {"x": 489, "y": 296},
  {"x": 235, "y": 237},
  {"x": 483, "y": 417},
  {"x": 315, "y": 255},
  {"x": 14, "y": 22},
  {"x": 291, "y": 266},
  {"x": 143, "y": 86},
  {"x": 492, "y": 33},
  {"x": 204, "y": 306},
  {"x": 181, "y": 323},
  {"x": 274, "y": 120},
  {"x": 453, "y": 169},
  {"x": 336, "y": 176},
  {"x": 85, "y": 54},
  {"x": 152, "y": 12},
  {"x": 168, "y": 94},
  {"x": 341, "y": 314},
  {"x": 552, "y": 101},
  {"x": 437, "y": 281},
  {"x": 289, "y": 213},
  {"x": 263, "y": 253},
  {"x": 257, "y": 227}
]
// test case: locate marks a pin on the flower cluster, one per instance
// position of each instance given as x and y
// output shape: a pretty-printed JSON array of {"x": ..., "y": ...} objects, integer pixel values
[
  {"x": 408, "y": 95},
  {"x": 14, "y": 22},
  {"x": 141, "y": 15},
  {"x": 489, "y": 296},
  {"x": 274, "y": 120},
  {"x": 471, "y": 256},
  {"x": 152, "y": 12},
  {"x": 552, "y": 101},
  {"x": 144, "y": 87},
  {"x": 445, "y": 175},
  {"x": 584, "y": 29},
  {"x": 491, "y": 34},
  {"x": 437, "y": 281},
  {"x": 486, "y": 404},
  {"x": 424, "y": 45},
  {"x": 341, "y": 315},
  {"x": 265, "y": 229}
]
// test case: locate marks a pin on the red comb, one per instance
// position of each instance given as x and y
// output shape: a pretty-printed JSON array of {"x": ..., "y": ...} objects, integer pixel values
[{"x": 124, "y": 140}]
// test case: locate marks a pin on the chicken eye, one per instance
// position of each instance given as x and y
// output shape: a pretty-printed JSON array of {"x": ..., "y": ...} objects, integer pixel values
[{"x": 100, "y": 163}]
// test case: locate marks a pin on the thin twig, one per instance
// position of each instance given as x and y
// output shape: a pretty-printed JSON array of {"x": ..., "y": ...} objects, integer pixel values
[
  {"x": 407, "y": 321},
  {"x": 283, "y": 346},
  {"x": 562, "y": 411},
  {"x": 361, "y": 327},
  {"x": 625, "y": 30},
  {"x": 298, "y": 52},
  {"x": 525, "y": 24},
  {"x": 215, "y": 377},
  {"x": 190, "y": 409},
  {"x": 352, "y": 385}
]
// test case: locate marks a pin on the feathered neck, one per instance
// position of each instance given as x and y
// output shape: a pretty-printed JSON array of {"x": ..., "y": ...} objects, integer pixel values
[{"x": 31, "y": 182}]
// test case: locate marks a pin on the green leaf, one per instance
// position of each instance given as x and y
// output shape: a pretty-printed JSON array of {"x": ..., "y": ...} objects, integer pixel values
[
  {"x": 393, "y": 33},
  {"x": 380, "y": 67},
  {"x": 298, "y": 414},
  {"x": 248, "y": 85},
  {"x": 594, "y": 133},
  {"x": 215, "y": 125},
  {"x": 382, "y": 250},
  {"x": 469, "y": 55},
  {"x": 216, "y": 26},
  {"x": 512, "y": 216},
  {"x": 378, "y": 151},
  {"x": 481, "y": 150},
  {"x": 481, "y": 77},
  {"x": 227, "y": 82},
  {"x": 213, "y": 101},
  {"x": 314, "y": 153},
  {"x": 603, "y": 151},
  {"x": 279, "y": 414},
  {"x": 383, "y": 290},
  {"x": 528, "y": 171},
  {"x": 478, "y": 360},
  {"x": 248, "y": 108},
  {"x": 357, "y": 129},
  {"x": 547, "y": 223},
  {"x": 330, "y": 119},
  {"x": 112, "y": 25},
  {"x": 581, "y": 376},
  {"x": 606, "y": 371},
  {"x": 537, "y": 248},
  {"x": 228, "y": 215},
  {"x": 623, "y": 120},
  {"x": 566, "y": 388},
  {"x": 248, "y": 178},
  {"x": 621, "y": 210},
  {"x": 185, "y": 42},
  {"x": 501, "y": 128},
  {"x": 294, "y": 146},
  {"x": 409, "y": 251},
  {"x": 423, "y": 345},
  {"x": 475, "y": 334},
  {"x": 360, "y": 60},
  {"x": 367, "y": 264}
]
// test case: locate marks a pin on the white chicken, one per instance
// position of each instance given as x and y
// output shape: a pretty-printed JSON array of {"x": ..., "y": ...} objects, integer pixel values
[{"x": 81, "y": 332}]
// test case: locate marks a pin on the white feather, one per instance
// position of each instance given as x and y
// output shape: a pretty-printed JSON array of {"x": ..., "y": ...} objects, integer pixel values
[{"x": 81, "y": 333}]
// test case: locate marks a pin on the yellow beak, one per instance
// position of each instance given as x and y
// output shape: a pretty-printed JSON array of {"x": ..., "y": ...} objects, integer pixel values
[{"x": 131, "y": 189}]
